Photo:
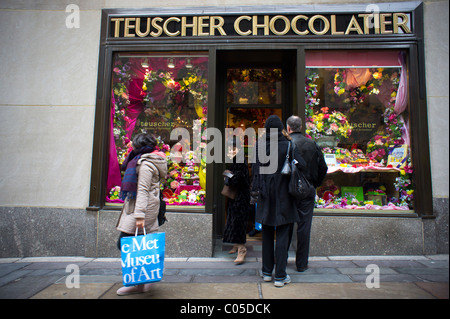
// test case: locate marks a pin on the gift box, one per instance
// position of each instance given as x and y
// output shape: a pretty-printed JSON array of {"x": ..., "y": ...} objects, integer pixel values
[{"x": 352, "y": 192}]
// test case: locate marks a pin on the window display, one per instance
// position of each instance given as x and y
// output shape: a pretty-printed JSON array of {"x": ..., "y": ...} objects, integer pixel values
[
  {"x": 157, "y": 93},
  {"x": 357, "y": 112},
  {"x": 254, "y": 86}
]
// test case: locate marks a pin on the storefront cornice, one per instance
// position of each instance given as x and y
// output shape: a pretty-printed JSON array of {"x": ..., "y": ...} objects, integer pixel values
[{"x": 290, "y": 23}]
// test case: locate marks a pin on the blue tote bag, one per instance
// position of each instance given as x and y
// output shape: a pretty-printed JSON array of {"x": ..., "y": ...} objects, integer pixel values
[{"x": 142, "y": 258}]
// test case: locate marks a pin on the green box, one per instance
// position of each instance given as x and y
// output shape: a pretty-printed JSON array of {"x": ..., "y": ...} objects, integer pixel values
[{"x": 350, "y": 192}]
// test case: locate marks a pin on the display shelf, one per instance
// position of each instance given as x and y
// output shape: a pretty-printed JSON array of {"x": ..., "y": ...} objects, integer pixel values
[{"x": 362, "y": 169}]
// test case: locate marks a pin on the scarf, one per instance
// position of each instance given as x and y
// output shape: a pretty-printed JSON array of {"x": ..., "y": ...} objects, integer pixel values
[{"x": 130, "y": 179}]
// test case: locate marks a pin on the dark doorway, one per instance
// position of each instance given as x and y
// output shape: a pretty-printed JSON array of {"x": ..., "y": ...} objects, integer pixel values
[{"x": 251, "y": 85}]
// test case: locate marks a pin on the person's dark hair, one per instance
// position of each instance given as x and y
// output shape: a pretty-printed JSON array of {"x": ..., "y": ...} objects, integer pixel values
[
  {"x": 295, "y": 123},
  {"x": 144, "y": 139}
]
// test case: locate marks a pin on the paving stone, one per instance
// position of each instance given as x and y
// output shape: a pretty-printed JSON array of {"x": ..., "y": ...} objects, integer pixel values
[
  {"x": 437, "y": 289},
  {"x": 361, "y": 271},
  {"x": 344, "y": 291},
  {"x": 217, "y": 272},
  {"x": 192, "y": 291},
  {"x": 390, "y": 263},
  {"x": 8, "y": 268},
  {"x": 435, "y": 263},
  {"x": 423, "y": 271},
  {"x": 24, "y": 288},
  {"x": 319, "y": 278},
  {"x": 86, "y": 291},
  {"x": 387, "y": 278},
  {"x": 331, "y": 264},
  {"x": 227, "y": 279}
]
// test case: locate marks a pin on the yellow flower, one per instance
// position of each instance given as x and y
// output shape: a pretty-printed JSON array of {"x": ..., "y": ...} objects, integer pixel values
[
  {"x": 410, "y": 192},
  {"x": 377, "y": 75},
  {"x": 402, "y": 172},
  {"x": 394, "y": 94},
  {"x": 341, "y": 91},
  {"x": 144, "y": 87}
]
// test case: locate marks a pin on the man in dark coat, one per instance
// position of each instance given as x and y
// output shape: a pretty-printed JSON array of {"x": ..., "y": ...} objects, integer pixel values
[
  {"x": 315, "y": 172},
  {"x": 275, "y": 206}
]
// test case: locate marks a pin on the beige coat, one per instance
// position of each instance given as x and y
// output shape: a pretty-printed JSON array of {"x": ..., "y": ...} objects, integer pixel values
[{"x": 151, "y": 168}]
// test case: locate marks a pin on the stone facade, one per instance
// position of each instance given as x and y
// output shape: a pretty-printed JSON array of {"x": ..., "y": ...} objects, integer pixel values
[{"x": 47, "y": 106}]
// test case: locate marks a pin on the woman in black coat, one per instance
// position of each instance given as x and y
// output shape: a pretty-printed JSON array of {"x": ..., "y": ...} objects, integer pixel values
[
  {"x": 276, "y": 208},
  {"x": 237, "y": 177}
]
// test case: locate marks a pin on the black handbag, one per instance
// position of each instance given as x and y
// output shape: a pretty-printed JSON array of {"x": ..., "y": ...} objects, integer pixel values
[
  {"x": 162, "y": 210},
  {"x": 299, "y": 186}
]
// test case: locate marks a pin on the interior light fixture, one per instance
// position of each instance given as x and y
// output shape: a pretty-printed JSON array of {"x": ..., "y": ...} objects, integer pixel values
[
  {"x": 188, "y": 63},
  {"x": 170, "y": 63},
  {"x": 144, "y": 64}
]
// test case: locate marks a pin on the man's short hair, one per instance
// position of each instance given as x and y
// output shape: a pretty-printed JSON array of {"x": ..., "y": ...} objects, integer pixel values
[{"x": 295, "y": 123}]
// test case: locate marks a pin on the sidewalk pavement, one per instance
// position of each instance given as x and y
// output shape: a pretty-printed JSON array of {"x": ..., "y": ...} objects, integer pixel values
[{"x": 332, "y": 277}]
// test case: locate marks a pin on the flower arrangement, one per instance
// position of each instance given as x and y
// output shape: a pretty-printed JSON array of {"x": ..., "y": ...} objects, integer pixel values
[
  {"x": 328, "y": 124},
  {"x": 403, "y": 184},
  {"x": 394, "y": 126},
  {"x": 240, "y": 84},
  {"x": 114, "y": 193},
  {"x": 377, "y": 148}
]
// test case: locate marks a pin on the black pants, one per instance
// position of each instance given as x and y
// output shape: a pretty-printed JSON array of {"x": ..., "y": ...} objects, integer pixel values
[
  {"x": 305, "y": 209},
  {"x": 276, "y": 256}
]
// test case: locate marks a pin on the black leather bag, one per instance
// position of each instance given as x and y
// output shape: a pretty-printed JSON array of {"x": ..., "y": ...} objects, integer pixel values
[{"x": 299, "y": 186}]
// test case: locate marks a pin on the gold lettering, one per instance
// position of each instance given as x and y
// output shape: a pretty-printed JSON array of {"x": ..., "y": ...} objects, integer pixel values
[
  {"x": 333, "y": 26},
  {"x": 403, "y": 24},
  {"x": 286, "y": 25},
  {"x": 366, "y": 21},
  {"x": 376, "y": 22},
  {"x": 214, "y": 26},
  {"x": 128, "y": 26},
  {"x": 202, "y": 25},
  {"x": 156, "y": 26},
  {"x": 265, "y": 25},
  {"x": 237, "y": 27},
  {"x": 166, "y": 31},
  {"x": 116, "y": 26},
  {"x": 138, "y": 28},
  {"x": 185, "y": 25},
  {"x": 353, "y": 26},
  {"x": 325, "y": 21},
  {"x": 383, "y": 22},
  {"x": 294, "y": 24}
]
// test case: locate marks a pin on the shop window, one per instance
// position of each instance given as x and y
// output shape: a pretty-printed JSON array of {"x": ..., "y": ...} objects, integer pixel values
[
  {"x": 157, "y": 93},
  {"x": 357, "y": 112}
]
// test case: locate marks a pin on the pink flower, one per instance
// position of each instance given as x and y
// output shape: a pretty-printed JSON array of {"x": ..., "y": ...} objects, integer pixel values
[{"x": 334, "y": 127}]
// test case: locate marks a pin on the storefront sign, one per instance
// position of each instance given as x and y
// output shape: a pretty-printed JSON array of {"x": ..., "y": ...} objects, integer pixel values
[{"x": 260, "y": 25}]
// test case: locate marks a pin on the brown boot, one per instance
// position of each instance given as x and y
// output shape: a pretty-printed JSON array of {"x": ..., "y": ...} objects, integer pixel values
[
  {"x": 234, "y": 249},
  {"x": 242, "y": 251}
]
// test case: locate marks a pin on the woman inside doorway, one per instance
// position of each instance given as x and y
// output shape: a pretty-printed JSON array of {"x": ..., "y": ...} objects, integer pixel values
[{"x": 237, "y": 177}]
